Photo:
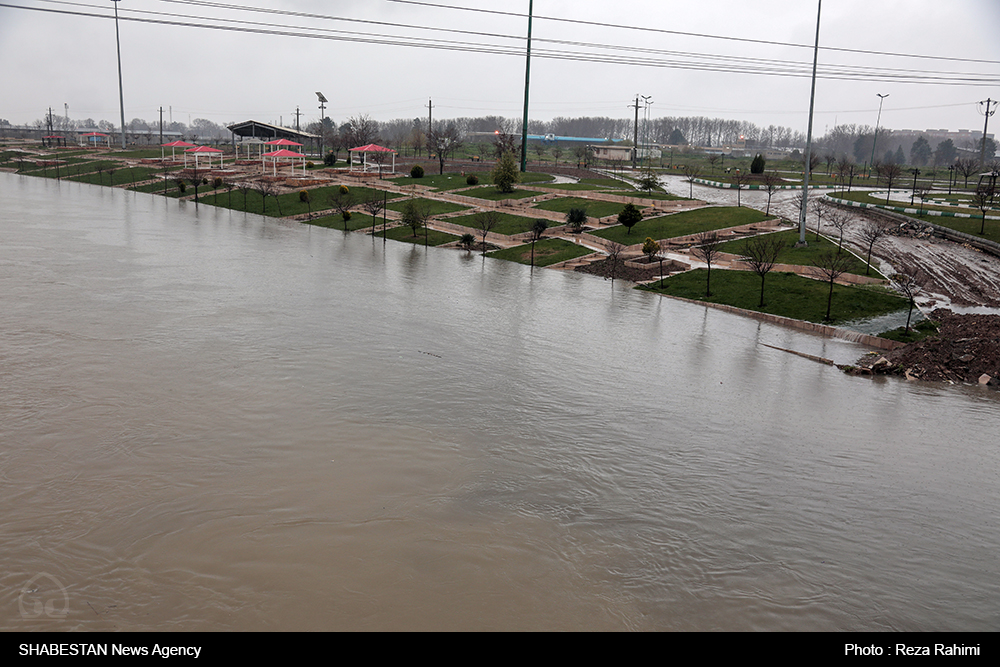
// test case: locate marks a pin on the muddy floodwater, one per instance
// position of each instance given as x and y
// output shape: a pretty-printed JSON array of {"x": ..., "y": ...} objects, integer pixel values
[{"x": 216, "y": 421}]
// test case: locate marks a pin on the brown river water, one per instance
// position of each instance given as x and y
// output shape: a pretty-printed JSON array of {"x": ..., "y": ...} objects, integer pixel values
[{"x": 216, "y": 421}]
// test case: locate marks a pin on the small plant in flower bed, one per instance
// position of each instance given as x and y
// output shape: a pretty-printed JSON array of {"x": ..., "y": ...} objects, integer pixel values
[{"x": 417, "y": 171}]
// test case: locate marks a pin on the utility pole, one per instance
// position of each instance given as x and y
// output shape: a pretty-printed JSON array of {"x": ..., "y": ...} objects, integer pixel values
[
  {"x": 635, "y": 130},
  {"x": 881, "y": 98},
  {"x": 430, "y": 125},
  {"x": 987, "y": 108},
  {"x": 527, "y": 78},
  {"x": 809, "y": 137},
  {"x": 49, "y": 120},
  {"x": 297, "y": 114},
  {"x": 121, "y": 95},
  {"x": 161, "y": 126}
]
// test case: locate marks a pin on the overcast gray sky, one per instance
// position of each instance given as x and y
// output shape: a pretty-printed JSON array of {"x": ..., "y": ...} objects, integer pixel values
[{"x": 51, "y": 59}]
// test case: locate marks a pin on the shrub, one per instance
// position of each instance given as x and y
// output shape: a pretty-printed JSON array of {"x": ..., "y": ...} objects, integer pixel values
[
  {"x": 576, "y": 218},
  {"x": 505, "y": 173},
  {"x": 181, "y": 186},
  {"x": 330, "y": 159},
  {"x": 309, "y": 164},
  {"x": 417, "y": 171},
  {"x": 344, "y": 190},
  {"x": 472, "y": 179},
  {"x": 217, "y": 182},
  {"x": 757, "y": 166},
  {"x": 467, "y": 241},
  {"x": 304, "y": 196},
  {"x": 629, "y": 217},
  {"x": 204, "y": 181},
  {"x": 346, "y": 215}
]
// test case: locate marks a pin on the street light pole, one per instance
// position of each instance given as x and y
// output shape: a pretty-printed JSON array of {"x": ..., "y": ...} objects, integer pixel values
[
  {"x": 871, "y": 162},
  {"x": 809, "y": 131},
  {"x": 527, "y": 79},
  {"x": 987, "y": 108},
  {"x": 121, "y": 94}
]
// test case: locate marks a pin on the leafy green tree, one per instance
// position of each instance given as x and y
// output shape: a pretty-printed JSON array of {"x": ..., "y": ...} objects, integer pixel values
[
  {"x": 920, "y": 151},
  {"x": 899, "y": 157},
  {"x": 676, "y": 137},
  {"x": 629, "y": 217},
  {"x": 651, "y": 248},
  {"x": 576, "y": 218},
  {"x": 945, "y": 153},
  {"x": 505, "y": 174},
  {"x": 757, "y": 166},
  {"x": 649, "y": 181},
  {"x": 414, "y": 215}
]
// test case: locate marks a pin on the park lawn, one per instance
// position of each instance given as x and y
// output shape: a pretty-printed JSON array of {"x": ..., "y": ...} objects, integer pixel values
[
  {"x": 682, "y": 224},
  {"x": 358, "y": 221},
  {"x": 490, "y": 193},
  {"x": 437, "y": 182},
  {"x": 595, "y": 208},
  {"x": 121, "y": 176},
  {"x": 509, "y": 223},
  {"x": 405, "y": 233},
  {"x": 807, "y": 256},
  {"x": 432, "y": 206},
  {"x": 785, "y": 294},
  {"x": 290, "y": 202},
  {"x": 547, "y": 252},
  {"x": 659, "y": 196}
]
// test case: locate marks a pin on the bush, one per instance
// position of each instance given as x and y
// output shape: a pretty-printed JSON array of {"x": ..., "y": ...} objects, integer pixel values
[
  {"x": 181, "y": 186},
  {"x": 472, "y": 179},
  {"x": 217, "y": 183},
  {"x": 505, "y": 173},
  {"x": 344, "y": 190},
  {"x": 417, "y": 171},
  {"x": 309, "y": 164},
  {"x": 757, "y": 166},
  {"x": 304, "y": 196},
  {"x": 576, "y": 218},
  {"x": 629, "y": 217},
  {"x": 330, "y": 159}
]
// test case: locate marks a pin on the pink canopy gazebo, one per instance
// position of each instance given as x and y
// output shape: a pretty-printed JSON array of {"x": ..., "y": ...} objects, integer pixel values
[
  {"x": 284, "y": 153},
  {"x": 281, "y": 142},
  {"x": 94, "y": 137},
  {"x": 174, "y": 145},
  {"x": 372, "y": 148},
  {"x": 207, "y": 151}
]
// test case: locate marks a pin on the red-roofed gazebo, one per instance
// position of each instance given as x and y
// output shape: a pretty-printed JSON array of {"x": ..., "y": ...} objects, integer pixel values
[
  {"x": 284, "y": 153},
  {"x": 173, "y": 145},
  {"x": 373, "y": 148},
  {"x": 94, "y": 137},
  {"x": 208, "y": 151}
]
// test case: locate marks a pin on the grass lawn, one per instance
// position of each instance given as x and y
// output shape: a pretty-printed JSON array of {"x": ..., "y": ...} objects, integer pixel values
[
  {"x": 357, "y": 222},
  {"x": 290, "y": 203},
  {"x": 808, "y": 256},
  {"x": 405, "y": 234},
  {"x": 121, "y": 176},
  {"x": 433, "y": 207},
  {"x": 509, "y": 223},
  {"x": 490, "y": 193},
  {"x": 595, "y": 209},
  {"x": 684, "y": 223},
  {"x": 547, "y": 251},
  {"x": 455, "y": 180},
  {"x": 785, "y": 294}
]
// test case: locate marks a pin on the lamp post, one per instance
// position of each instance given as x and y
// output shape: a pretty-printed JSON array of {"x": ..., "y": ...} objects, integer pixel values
[
  {"x": 951, "y": 172},
  {"x": 322, "y": 125},
  {"x": 121, "y": 94},
  {"x": 871, "y": 163},
  {"x": 987, "y": 108}
]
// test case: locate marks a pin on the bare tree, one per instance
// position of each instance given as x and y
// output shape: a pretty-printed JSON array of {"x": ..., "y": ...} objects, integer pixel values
[
  {"x": 691, "y": 173},
  {"x": 771, "y": 181},
  {"x": 832, "y": 265},
  {"x": 713, "y": 160},
  {"x": 485, "y": 222},
  {"x": 537, "y": 231},
  {"x": 740, "y": 178},
  {"x": 444, "y": 143},
  {"x": 362, "y": 130},
  {"x": 908, "y": 282},
  {"x": 708, "y": 249},
  {"x": 342, "y": 199},
  {"x": 245, "y": 187},
  {"x": 966, "y": 166},
  {"x": 889, "y": 173},
  {"x": 374, "y": 204},
  {"x": 872, "y": 232},
  {"x": 267, "y": 188},
  {"x": 838, "y": 219},
  {"x": 415, "y": 215},
  {"x": 761, "y": 253},
  {"x": 652, "y": 248},
  {"x": 507, "y": 138},
  {"x": 983, "y": 200},
  {"x": 614, "y": 261}
]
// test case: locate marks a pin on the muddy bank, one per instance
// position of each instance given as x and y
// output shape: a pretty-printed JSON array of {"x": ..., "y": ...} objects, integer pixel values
[{"x": 966, "y": 349}]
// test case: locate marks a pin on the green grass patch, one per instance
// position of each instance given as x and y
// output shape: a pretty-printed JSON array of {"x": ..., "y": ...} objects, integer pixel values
[
  {"x": 405, "y": 234},
  {"x": 547, "y": 252},
  {"x": 785, "y": 294},
  {"x": 358, "y": 221},
  {"x": 595, "y": 209},
  {"x": 807, "y": 256},
  {"x": 919, "y": 331},
  {"x": 289, "y": 202},
  {"x": 683, "y": 224},
  {"x": 432, "y": 206},
  {"x": 490, "y": 193},
  {"x": 509, "y": 223}
]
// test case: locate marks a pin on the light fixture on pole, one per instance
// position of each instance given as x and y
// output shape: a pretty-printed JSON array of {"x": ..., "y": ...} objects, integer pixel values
[
  {"x": 871, "y": 163},
  {"x": 322, "y": 122},
  {"x": 121, "y": 94}
]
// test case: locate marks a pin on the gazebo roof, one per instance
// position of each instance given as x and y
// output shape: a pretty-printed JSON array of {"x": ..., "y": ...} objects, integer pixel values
[
  {"x": 202, "y": 149},
  {"x": 255, "y": 128},
  {"x": 284, "y": 152},
  {"x": 95, "y": 134},
  {"x": 282, "y": 142},
  {"x": 372, "y": 148},
  {"x": 177, "y": 144}
]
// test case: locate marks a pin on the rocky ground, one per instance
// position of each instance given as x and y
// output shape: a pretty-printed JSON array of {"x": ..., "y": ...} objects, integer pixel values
[{"x": 966, "y": 349}]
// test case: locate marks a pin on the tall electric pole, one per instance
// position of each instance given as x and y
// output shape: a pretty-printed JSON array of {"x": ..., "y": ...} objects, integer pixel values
[
  {"x": 635, "y": 130},
  {"x": 987, "y": 108},
  {"x": 121, "y": 94},
  {"x": 809, "y": 137},
  {"x": 871, "y": 163},
  {"x": 527, "y": 78},
  {"x": 430, "y": 125}
]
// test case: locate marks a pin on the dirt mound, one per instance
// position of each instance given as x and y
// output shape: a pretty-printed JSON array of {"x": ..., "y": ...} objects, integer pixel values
[{"x": 966, "y": 348}]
